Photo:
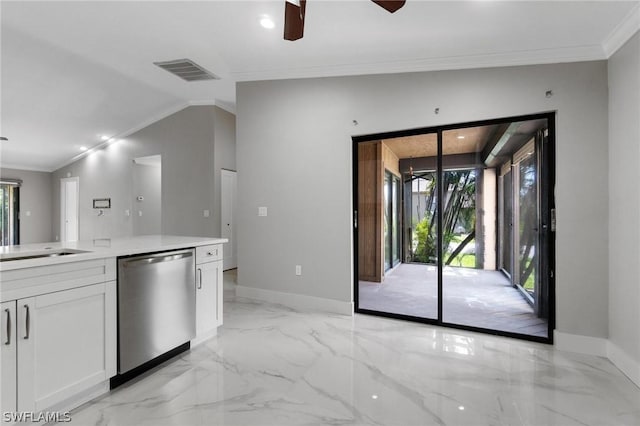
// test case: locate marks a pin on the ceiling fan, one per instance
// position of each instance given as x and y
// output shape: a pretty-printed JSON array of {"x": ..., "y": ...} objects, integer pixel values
[{"x": 294, "y": 11}]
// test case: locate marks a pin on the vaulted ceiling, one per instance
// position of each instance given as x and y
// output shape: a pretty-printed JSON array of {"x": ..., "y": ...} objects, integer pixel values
[{"x": 75, "y": 71}]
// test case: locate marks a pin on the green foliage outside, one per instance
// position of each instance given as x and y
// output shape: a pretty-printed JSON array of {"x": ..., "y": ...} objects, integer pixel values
[{"x": 459, "y": 212}]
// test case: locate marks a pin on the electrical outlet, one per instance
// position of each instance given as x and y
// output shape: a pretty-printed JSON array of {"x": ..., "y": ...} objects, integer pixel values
[
  {"x": 262, "y": 211},
  {"x": 206, "y": 213},
  {"x": 298, "y": 270}
]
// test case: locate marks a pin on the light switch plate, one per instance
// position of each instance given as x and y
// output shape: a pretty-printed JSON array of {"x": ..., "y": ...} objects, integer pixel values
[
  {"x": 262, "y": 211},
  {"x": 206, "y": 213}
]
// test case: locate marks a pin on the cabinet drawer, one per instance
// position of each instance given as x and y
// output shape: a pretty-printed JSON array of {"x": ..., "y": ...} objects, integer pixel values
[{"x": 208, "y": 253}]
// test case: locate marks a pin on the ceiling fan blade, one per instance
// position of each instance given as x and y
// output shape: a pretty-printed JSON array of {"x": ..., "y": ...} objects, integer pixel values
[
  {"x": 390, "y": 5},
  {"x": 294, "y": 19}
]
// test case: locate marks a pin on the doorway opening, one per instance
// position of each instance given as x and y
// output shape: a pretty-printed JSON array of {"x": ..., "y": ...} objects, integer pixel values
[
  {"x": 69, "y": 209},
  {"x": 228, "y": 209},
  {"x": 146, "y": 184},
  {"x": 454, "y": 225}
]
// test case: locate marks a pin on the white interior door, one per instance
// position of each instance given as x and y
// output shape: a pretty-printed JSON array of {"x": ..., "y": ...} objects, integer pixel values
[
  {"x": 69, "y": 223},
  {"x": 227, "y": 217}
]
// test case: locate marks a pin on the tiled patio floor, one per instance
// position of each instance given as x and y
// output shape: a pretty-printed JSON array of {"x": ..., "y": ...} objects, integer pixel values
[{"x": 472, "y": 297}]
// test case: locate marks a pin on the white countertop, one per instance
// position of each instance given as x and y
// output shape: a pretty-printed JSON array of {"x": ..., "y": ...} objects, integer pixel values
[{"x": 98, "y": 249}]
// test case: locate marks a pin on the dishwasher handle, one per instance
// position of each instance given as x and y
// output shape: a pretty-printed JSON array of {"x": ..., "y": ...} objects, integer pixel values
[{"x": 157, "y": 258}]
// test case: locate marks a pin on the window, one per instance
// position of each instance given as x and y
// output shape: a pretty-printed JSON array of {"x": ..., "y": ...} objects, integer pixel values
[{"x": 9, "y": 208}]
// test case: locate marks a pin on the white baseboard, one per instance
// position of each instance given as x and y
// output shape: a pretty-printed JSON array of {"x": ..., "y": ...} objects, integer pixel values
[
  {"x": 581, "y": 344},
  {"x": 599, "y": 347},
  {"x": 76, "y": 401},
  {"x": 629, "y": 366},
  {"x": 296, "y": 301}
]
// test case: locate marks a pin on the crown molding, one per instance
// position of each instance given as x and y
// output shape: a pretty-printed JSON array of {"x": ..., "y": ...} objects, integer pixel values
[
  {"x": 623, "y": 32},
  {"x": 24, "y": 168},
  {"x": 489, "y": 60}
]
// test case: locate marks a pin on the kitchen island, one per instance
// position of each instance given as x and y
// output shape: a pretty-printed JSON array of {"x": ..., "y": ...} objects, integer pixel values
[{"x": 59, "y": 315}]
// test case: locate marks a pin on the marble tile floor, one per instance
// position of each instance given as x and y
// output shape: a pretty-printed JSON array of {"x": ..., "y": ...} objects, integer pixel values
[{"x": 271, "y": 365}]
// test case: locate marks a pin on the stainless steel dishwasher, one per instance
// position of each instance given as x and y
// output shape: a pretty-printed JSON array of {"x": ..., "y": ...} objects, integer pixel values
[{"x": 156, "y": 305}]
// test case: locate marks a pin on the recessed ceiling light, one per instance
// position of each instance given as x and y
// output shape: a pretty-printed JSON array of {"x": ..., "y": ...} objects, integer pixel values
[
  {"x": 104, "y": 137},
  {"x": 267, "y": 22},
  {"x": 460, "y": 137},
  {"x": 83, "y": 148}
]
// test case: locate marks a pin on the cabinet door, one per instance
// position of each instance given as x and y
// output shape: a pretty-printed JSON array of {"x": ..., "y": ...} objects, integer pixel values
[
  {"x": 8, "y": 357},
  {"x": 66, "y": 344},
  {"x": 208, "y": 286}
]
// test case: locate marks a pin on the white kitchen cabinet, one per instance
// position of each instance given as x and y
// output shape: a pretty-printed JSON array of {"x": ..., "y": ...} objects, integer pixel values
[
  {"x": 8, "y": 357},
  {"x": 65, "y": 340},
  {"x": 209, "y": 291},
  {"x": 61, "y": 347}
]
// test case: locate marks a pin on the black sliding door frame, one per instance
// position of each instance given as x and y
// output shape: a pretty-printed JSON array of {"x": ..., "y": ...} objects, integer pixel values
[{"x": 547, "y": 233}]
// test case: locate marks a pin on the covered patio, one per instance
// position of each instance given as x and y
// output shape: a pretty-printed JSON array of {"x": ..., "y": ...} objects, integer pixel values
[{"x": 471, "y": 297}]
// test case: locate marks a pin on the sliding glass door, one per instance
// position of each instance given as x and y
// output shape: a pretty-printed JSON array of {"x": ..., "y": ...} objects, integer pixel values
[{"x": 465, "y": 226}]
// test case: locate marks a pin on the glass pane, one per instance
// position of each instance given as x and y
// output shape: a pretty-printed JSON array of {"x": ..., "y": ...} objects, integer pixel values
[
  {"x": 490, "y": 185},
  {"x": 395, "y": 221},
  {"x": 507, "y": 223},
  {"x": 387, "y": 221},
  {"x": 424, "y": 218},
  {"x": 406, "y": 228},
  {"x": 528, "y": 224}
]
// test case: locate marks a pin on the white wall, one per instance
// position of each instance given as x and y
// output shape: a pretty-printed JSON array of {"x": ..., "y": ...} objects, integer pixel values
[
  {"x": 35, "y": 204},
  {"x": 294, "y": 157},
  {"x": 624, "y": 207},
  {"x": 185, "y": 140}
]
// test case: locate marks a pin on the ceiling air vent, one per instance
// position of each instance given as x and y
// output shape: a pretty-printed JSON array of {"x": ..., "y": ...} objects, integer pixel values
[{"x": 187, "y": 70}]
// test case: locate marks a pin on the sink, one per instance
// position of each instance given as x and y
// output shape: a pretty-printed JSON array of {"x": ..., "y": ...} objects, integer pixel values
[{"x": 54, "y": 253}]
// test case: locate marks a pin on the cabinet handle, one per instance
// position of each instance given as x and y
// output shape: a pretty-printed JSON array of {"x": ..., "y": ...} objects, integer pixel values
[
  {"x": 200, "y": 279},
  {"x": 27, "y": 322},
  {"x": 209, "y": 253},
  {"x": 8, "y": 342}
]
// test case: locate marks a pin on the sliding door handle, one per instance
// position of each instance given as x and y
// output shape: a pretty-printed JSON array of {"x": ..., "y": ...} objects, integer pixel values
[
  {"x": 27, "y": 321},
  {"x": 8, "y": 341}
]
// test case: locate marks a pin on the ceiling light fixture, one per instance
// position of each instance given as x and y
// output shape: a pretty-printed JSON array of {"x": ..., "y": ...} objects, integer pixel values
[
  {"x": 267, "y": 23},
  {"x": 460, "y": 137},
  {"x": 83, "y": 148},
  {"x": 104, "y": 138}
]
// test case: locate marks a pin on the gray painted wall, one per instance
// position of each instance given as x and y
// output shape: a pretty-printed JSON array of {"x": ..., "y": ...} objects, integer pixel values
[
  {"x": 294, "y": 157},
  {"x": 35, "y": 204},
  {"x": 624, "y": 198},
  {"x": 185, "y": 140}
]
